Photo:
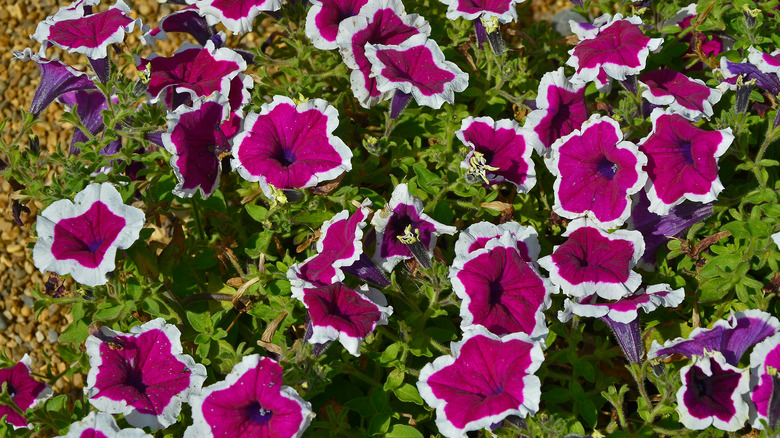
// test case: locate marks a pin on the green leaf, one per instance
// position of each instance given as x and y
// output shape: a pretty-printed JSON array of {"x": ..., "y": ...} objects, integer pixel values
[
  {"x": 394, "y": 379},
  {"x": 390, "y": 353},
  {"x": 379, "y": 423},
  {"x": 134, "y": 289},
  {"x": 109, "y": 313},
  {"x": 362, "y": 405},
  {"x": 426, "y": 179},
  {"x": 256, "y": 212},
  {"x": 76, "y": 332},
  {"x": 408, "y": 393},
  {"x": 200, "y": 322},
  {"x": 403, "y": 431}
]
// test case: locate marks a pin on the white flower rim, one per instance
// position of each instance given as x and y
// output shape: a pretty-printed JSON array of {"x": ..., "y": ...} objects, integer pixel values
[
  {"x": 242, "y": 25},
  {"x": 527, "y": 235},
  {"x": 104, "y": 423},
  {"x": 555, "y": 78},
  {"x": 690, "y": 114}
]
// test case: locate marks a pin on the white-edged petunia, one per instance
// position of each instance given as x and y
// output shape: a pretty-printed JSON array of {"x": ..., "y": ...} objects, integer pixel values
[
  {"x": 476, "y": 236},
  {"x": 25, "y": 392},
  {"x": 186, "y": 20},
  {"x": 765, "y": 382},
  {"x": 237, "y": 15},
  {"x": 766, "y": 62},
  {"x": 324, "y": 18},
  {"x": 690, "y": 98},
  {"x": 101, "y": 425}
]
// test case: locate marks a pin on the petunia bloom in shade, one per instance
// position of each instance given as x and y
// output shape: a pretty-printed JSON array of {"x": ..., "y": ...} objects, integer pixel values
[
  {"x": 619, "y": 48},
  {"x": 77, "y": 32},
  {"x": 732, "y": 337},
  {"x": 80, "y": 238},
  {"x": 685, "y": 96},
  {"x": 324, "y": 17},
  {"x": 503, "y": 10},
  {"x": 500, "y": 151},
  {"x": 682, "y": 161},
  {"x": 404, "y": 231},
  {"x": 186, "y": 20},
  {"x": 237, "y": 15},
  {"x": 712, "y": 394},
  {"x": 594, "y": 261},
  {"x": 500, "y": 290},
  {"x": 291, "y": 146},
  {"x": 338, "y": 312},
  {"x": 379, "y": 22},
  {"x": 476, "y": 236},
  {"x": 251, "y": 401},
  {"x": 101, "y": 425},
  {"x": 89, "y": 106},
  {"x": 596, "y": 173},
  {"x": 142, "y": 375},
  {"x": 487, "y": 379},
  {"x": 766, "y": 62},
  {"x": 25, "y": 392},
  {"x": 560, "y": 110}
]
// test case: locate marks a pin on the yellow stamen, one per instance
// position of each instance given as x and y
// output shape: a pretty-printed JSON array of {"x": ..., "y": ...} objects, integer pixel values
[
  {"x": 408, "y": 238},
  {"x": 478, "y": 166},
  {"x": 490, "y": 23},
  {"x": 277, "y": 196}
]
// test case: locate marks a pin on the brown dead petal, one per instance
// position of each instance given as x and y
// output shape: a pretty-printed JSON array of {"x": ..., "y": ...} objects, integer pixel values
[
  {"x": 328, "y": 187},
  {"x": 497, "y": 206},
  {"x": 235, "y": 282},
  {"x": 272, "y": 327},
  {"x": 709, "y": 241}
]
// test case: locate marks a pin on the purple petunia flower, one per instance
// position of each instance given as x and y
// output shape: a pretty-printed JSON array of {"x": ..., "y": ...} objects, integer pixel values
[
  {"x": 142, "y": 375},
  {"x": 487, "y": 379},
  {"x": 476, "y": 236},
  {"x": 338, "y": 312},
  {"x": 560, "y": 110},
  {"x": 251, "y": 401},
  {"x": 25, "y": 392},
  {"x": 324, "y": 17},
  {"x": 500, "y": 290},
  {"x": 690, "y": 98},
  {"x": 186, "y": 20},
  {"x": 503, "y": 10},
  {"x": 764, "y": 361},
  {"x": 619, "y": 48},
  {"x": 404, "y": 231},
  {"x": 596, "y": 173},
  {"x": 500, "y": 151},
  {"x": 89, "y": 106},
  {"x": 80, "y": 238},
  {"x": 593, "y": 261},
  {"x": 291, "y": 146},
  {"x": 712, "y": 394},
  {"x": 765, "y": 62},
  {"x": 379, "y": 22},
  {"x": 77, "y": 32},
  {"x": 682, "y": 161},
  {"x": 737, "y": 73},
  {"x": 237, "y": 15},
  {"x": 101, "y": 425}
]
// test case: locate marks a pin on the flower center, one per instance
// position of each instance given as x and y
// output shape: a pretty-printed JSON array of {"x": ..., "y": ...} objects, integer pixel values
[
  {"x": 408, "y": 237},
  {"x": 10, "y": 389},
  {"x": 136, "y": 380},
  {"x": 685, "y": 148},
  {"x": 285, "y": 156},
  {"x": 496, "y": 291},
  {"x": 478, "y": 165},
  {"x": 258, "y": 414},
  {"x": 94, "y": 246},
  {"x": 606, "y": 168}
]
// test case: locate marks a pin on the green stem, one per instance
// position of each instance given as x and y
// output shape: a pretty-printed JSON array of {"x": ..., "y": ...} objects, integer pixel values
[
  {"x": 198, "y": 221},
  {"x": 432, "y": 203},
  {"x": 769, "y": 138},
  {"x": 639, "y": 378}
]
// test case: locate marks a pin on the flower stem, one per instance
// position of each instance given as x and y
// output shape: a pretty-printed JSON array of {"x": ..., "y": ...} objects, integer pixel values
[
  {"x": 197, "y": 216},
  {"x": 637, "y": 373}
]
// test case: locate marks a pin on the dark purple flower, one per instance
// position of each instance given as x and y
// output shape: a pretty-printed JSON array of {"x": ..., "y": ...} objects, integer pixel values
[
  {"x": 682, "y": 161},
  {"x": 764, "y": 381},
  {"x": 487, "y": 379},
  {"x": 338, "y": 312},
  {"x": 594, "y": 261},
  {"x": 251, "y": 401},
  {"x": 324, "y": 17},
  {"x": 379, "y": 22},
  {"x": 685, "y": 96},
  {"x": 560, "y": 110},
  {"x": 766, "y": 62},
  {"x": 712, "y": 394},
  {"x": 734, "y": 73},
  {"x": 500, "y": 151},
  {"x": 476, "y": 236},
  {"x": 89, "y": 106},
  {"x": 186, "y": 20},
  {"x": 404, "y": 231},
  {"x": 100, "y": 425},
  {"x": 500, "y": 290},
  {"x": 142, "y": 375},
  {"x": 596, "y": 173},
  {"x": 291, "y": 146},
  {"x": 237, "y": 15},
  {"x": 25, "y": 392},
  {"x": 80, "y": 238}
]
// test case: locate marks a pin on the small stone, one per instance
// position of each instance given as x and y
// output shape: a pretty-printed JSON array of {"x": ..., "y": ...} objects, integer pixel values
[
  {"x": 77, "y": 381},
  {"x": 26, "y": 312},
  {"x": 39, "y": 336},
  {"x": 53, "y": 336}
]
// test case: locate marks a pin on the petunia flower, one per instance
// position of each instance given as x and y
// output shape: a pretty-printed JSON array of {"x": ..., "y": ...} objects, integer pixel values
[
  {"x": 710, "y": 44},
  {"x": 89, "y": 34},
  {"x": 732, "y": 337},
  {"x": 476, "y": 236},
  {"x": 596, "y": 173},
  {"x": 487, "y": 379},
  {"x": 324, "y": 18},
  {"x": 690, "y": 98},
  {"x": 560, "y": 110},
  {"x": 237, "y": 15},
  {"x": 338, "y": 312},
  {"x": 500, "y": 290},
  {"x": 619, "y": 48},
  {"x": 764, "y": 363},
  {"x": 379, "y": 22},
  {"x": 142, "y": 375},
  {"x": 745, "y": 72},
  {"x": 80, "y": 238},
  {"x": 486, "y": 15},
  {"x": 712, "y": 394},
  {"x": 594, "y": 261},
  {"x": 186, "y": 20},
  {"x": 682, "y": 161},
  {"x": 89, "y": 106},
  {"x": 251, "y": 401},
  {"x": 404, "y": 231},
  {"x": 101, "y": 425},
  {"x": 500, "y": 151},
  {"x": 415, "y": 68},
  {"x": 290, "y": 146},
  {"x": 25, "y": 392},
  {"x": 765, "y": 62}
]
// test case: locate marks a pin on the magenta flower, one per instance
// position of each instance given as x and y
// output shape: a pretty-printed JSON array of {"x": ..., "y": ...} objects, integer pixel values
[
  {"x": 291, "y": 146},
  {"x": 594, "y": 261},
  {"x": 713, "y": 394},
  {"x": 596, "y": 173},
  {"x": 766, "y": 62},
  {"x": 379, "y": 22},
  {"x": 500, "y": 290},
  {"x": 765, "y": 355},
  {"x": 186, "y": 20},
  {"x": 73, "y": 30},
  {"x": 142, "y": 375},
  {"x": 745, "y": 72},
  {"x": 251, "y": 401},
  {"x": 476, "y": 236},
  {"x": 101, "y": 425},
  {"x": 685, "y": 96},
  {"x": 80, "y": 238},
  {"x": 25, "y": 392},
  {"x": 324, "y": 17},
  {"x": 500, "y": 151},
  {"x": 338, "y": 312},
  {"x": 404, "y": 231},
  {"x": 619, "y": 48},
  {"x": 682, "y": 161},
  {"x": 711, "y": 45},
  {"x": 237, "y": 15},
  {"x": 487, "y": 379},
  {"x": 503, "y": 10},
  {"x": 560, "y": 109}
]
